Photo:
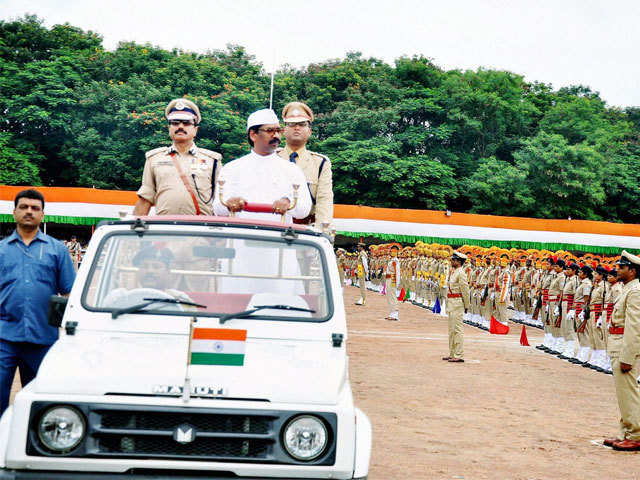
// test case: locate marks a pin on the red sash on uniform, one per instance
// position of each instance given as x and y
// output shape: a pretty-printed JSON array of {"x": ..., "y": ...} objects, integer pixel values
[
  {"x": 609, "y": 312},
  {"x": 578, "y": 306},
  {"x": 597, "y": 311},
  {"x": 545, "y": 296},
  {"x": 186, "y": 182},
  {"x": 569, "y": 299}
]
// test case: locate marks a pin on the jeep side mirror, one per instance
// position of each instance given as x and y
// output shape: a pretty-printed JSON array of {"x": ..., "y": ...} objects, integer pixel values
[{"x": 57, "y": 305}]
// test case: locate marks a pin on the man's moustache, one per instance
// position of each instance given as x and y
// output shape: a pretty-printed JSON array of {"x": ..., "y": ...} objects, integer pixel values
[
  {"x": 180, "y": 131},
  {"x": 274, "y": 141}
]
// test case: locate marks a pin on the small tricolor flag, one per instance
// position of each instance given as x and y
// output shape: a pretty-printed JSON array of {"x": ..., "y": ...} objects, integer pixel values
[{"x": 218, "y": 346}]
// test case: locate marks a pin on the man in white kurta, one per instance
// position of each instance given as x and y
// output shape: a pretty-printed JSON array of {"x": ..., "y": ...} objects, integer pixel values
[{"x": 262, "y": 177}]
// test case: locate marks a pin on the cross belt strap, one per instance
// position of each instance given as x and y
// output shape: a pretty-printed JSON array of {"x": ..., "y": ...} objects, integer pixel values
[{"x": 186, "y": 183}]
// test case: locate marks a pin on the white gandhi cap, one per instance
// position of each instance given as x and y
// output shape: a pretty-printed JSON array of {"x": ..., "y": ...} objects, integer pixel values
[{"x": 262, "y": 117}]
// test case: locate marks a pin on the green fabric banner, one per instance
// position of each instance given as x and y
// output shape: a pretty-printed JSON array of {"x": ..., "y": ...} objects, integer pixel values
[
  {"x": 6, "y": 218},
  {"x": 490, "y": 243}
]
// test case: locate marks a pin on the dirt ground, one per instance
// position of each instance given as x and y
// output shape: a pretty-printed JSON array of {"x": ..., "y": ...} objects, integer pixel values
[{"x": 508, "y": 412}]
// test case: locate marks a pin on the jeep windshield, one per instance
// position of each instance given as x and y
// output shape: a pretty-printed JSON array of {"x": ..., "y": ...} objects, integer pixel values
[{"x": 212, "y": 275}]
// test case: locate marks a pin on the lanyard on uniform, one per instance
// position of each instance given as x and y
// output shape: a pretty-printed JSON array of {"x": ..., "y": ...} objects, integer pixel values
[
  {"x": 176, "y": 164},
  {"x": 193, "y": 176}
]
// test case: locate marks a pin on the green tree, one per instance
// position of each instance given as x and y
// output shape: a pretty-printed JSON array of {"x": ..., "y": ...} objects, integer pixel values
[
  {"x": 499, "y": 188},
  {"x": 565, "y": 180},
  {"x": 18, "y": 162}
]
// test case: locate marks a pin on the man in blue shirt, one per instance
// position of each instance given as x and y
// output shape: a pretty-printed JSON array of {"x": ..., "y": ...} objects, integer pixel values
[{"x": 33, "y": 266}]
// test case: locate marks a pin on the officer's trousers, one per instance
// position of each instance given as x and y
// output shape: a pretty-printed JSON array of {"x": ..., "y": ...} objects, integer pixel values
[
  {"x": 455, "y": 310},
  {"x": 628, "y": 395},
  {"x": 363, "y": 288},
  {"x": 392, "y": 299},
  {"x": 25, "y": 356}
]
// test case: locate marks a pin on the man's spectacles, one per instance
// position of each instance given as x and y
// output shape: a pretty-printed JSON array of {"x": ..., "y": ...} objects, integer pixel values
[
  {"x": 176, "y": 123},
  {"x": 270, "y": 131},
  {"x": 297, "y": 124}
]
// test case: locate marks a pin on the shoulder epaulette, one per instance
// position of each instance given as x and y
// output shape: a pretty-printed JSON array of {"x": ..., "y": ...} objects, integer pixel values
[
  {"x": 210, "y": 153},
  {"x": 324, "y": 157},
  {"x": 155, "y": 151}
]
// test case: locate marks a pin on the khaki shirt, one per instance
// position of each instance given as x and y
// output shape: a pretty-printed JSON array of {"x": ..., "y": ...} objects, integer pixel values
[
  {"x": 626, "y": 313},
  {"x": 320, "y": 183},
  {"x": 557, "y": 285},
  {"x": 569, "y": 288},
  {"x": 597, "y": 294},
  {"x": 458, "y": 284},
  {"x": 582, "y": 290},
  {"x": 547, "y": 280},
  {"x": 613, "y": 292},
  {"x": 163, "y": 187},
  {"x": 363, "y": 267}
]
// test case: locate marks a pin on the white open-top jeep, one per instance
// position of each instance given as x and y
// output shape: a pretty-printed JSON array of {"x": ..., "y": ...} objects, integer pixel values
[{"x": 191, "y": 348}]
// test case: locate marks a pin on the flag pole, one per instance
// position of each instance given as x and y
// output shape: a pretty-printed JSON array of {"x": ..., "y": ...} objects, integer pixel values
[
  {"x": 273, "y": 70},
  {"x": 270, "y": 95},
  {"x": 186, "y": 389}
]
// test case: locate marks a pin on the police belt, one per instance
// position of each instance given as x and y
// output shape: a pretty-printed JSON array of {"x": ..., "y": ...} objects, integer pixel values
[{"x": 616, "y": 330}]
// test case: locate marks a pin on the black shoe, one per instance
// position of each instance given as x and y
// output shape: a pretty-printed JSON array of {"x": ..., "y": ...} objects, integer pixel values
[
  {"x": 541, "y": 347},
  {"x": 576, "y": 361},
  {"x": 586, "y": 365}
]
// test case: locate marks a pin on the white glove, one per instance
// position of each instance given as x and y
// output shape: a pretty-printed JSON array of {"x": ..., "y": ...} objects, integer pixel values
[
  {"x": 599, "y": 323},
  {"x": 556, "y": 312},
  {"x": 493, "y": 295},
  {"x": 571, "y": 314},
  {"x": 580, "y": 316}
]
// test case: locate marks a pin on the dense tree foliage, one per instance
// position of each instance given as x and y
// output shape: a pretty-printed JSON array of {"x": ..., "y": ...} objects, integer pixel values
[{"x": 406, "y": 135}]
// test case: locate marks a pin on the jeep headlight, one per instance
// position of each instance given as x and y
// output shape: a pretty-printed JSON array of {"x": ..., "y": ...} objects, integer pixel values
[
  {"x": 61, "y": 429},
  {"x": 305, "y": 437}
]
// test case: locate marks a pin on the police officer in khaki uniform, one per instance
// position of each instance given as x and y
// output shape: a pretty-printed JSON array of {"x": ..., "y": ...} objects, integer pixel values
[
  {"x": 363, "y": 273},
  {"x": 457, "y": 304},
  {"x": 178, "y": 179},
  {"x": 316, "y": 167},
  {"x": 623, "y": 346},
  {"x": 392, "y": 279}
]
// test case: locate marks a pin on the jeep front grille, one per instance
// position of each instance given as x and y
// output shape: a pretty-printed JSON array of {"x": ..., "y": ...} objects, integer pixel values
[{"x": 148, "y": 432}]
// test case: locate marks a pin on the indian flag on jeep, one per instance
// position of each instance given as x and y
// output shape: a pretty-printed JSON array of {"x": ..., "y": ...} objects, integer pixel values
[{"x": 218, "y": 346}]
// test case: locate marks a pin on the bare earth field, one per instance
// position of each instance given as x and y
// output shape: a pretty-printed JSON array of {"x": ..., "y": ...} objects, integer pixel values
[{"x": 508, "y": 412}]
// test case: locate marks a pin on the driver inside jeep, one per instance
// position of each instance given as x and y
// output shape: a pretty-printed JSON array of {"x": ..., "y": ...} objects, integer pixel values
[{"x": 153, "y": 278}]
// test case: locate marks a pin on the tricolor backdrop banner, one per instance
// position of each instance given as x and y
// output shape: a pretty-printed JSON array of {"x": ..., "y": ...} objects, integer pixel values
[{"x": 88, "y": 206}]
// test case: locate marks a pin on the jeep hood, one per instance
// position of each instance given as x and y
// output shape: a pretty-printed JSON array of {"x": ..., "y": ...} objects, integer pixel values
[{"x": 276, "y": 370}]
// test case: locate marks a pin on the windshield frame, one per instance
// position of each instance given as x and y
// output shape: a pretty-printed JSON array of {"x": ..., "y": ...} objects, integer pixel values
[{"x": 215, "y": 234}]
